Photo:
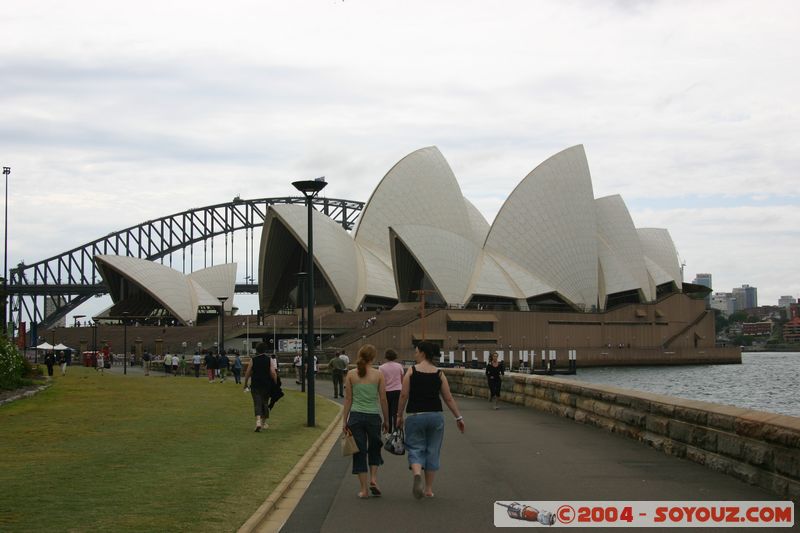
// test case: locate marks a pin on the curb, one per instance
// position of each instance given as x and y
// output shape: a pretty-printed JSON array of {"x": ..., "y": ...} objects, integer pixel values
[
  {"x": 26, "y": 394},
  {"x": 265, "y": 509}
]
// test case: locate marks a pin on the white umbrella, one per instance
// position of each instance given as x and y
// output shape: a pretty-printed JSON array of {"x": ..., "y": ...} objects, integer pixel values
[{"x": 45, "y": 346}]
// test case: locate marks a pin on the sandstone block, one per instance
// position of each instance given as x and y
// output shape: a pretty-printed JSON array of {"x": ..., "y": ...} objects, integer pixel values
[
  {"x": 680, "y": 431},
  {"x": 657, "y": 424},
  {"x": 759, "y": 454},
  {"x": 729, "y": 445},
  {"x": 787, "y": 463}
]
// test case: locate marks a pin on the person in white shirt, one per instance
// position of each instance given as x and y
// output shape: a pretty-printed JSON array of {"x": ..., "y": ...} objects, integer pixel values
[
  {"x": 196, "y": 361},
  {"x": 298, "y": 368}
]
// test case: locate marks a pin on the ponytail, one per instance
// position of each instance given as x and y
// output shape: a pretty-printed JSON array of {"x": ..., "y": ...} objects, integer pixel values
[{"x": 366, "y": 354}]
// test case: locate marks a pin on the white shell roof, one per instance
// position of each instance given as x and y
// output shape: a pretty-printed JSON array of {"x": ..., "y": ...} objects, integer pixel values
[
  {"x": 335, "y": 252},
  {"x": 179, "y": 294},
  {"x": 420, "y": 189},
  {"x": 448, "y": 259},
  {"x": 491, "y": 278},
  {"x": 550, "y": 236},
  {"x": 619, "y": 249},
  {"x": 480, "y": 227},
  {"x": 528, "y": 283},
  {"x": 215, "y": 282},
  {"x": 660, "y": 255},
  {"x": 548, "y": 226},
  {"x": 379, "y": 276}
]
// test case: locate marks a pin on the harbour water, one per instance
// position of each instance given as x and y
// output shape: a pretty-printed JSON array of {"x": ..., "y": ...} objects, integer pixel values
[{"x": 766, "y": 381}]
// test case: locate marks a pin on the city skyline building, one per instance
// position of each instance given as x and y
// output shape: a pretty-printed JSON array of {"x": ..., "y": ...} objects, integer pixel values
[
  {"x": 723, "y": 302},
  {"x": 786, "y": 301},
  {"x": 746, "y": 297},
  {"x": 704, "y": 279}
]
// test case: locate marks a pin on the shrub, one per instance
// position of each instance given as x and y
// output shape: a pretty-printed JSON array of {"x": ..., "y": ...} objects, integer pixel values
[{"x": 12, "y": 365}]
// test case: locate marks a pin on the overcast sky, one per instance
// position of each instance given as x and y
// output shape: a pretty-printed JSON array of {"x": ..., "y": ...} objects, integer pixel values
[{"x": 113, "y": 113}]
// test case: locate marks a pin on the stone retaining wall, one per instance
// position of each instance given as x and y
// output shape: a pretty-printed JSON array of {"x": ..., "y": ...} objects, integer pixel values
[{"x": 759, "y": 448}]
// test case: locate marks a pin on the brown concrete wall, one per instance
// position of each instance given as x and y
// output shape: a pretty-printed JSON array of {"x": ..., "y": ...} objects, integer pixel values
[
  {"x": 677, "y": 325},
  {"x": 759, "y": 448}
]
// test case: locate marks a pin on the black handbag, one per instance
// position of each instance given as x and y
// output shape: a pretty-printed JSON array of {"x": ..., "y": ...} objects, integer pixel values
[{"x": 394, "y": 442}]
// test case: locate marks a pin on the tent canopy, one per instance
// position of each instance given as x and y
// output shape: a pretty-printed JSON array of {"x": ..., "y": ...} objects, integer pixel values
[
  {"x": 45, "y": 346},
  {"x": 60, "y": 346}
]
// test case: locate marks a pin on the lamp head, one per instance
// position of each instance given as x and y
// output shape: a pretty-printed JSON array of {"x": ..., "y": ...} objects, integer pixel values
[{"x": 310, "y": 188}]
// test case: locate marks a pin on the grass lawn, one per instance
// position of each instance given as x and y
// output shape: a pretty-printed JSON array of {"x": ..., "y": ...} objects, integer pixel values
[{"x": 133, "y": 453}]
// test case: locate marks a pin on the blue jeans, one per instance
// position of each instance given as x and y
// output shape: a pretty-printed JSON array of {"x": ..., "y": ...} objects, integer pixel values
[
  {"x": 366, "y": 429},
  {"x": 424, "y": 434}
]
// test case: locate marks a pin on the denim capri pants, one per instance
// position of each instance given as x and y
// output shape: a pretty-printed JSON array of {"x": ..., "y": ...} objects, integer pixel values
[
  {"x": 424, "y": 434},
  {"x": 366, "y": 429}
]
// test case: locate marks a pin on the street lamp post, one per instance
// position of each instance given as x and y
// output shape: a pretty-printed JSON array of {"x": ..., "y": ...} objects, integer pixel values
[
  {"x": 301, "y": 329},
  {"x": 310, "y": 189},
  {"x": 247, "y": 334},
  {"x": 94, "y": 337},
  {"x": 125, "y": 342},
  {"x": 6, "y": 172},
  {"x": 222, "y": 300}
]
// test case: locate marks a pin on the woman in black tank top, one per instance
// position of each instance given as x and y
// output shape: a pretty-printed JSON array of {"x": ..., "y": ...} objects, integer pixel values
[
  {"x": 263, "y": 375},
  {"x": 424, "y": 388}
]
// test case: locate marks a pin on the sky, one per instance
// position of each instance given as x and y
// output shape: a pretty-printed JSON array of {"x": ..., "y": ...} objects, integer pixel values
[{"x": 113, "y": 113}]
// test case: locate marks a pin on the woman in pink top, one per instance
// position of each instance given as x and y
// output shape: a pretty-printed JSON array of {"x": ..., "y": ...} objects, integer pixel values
[{"x": 393, "y": 376}]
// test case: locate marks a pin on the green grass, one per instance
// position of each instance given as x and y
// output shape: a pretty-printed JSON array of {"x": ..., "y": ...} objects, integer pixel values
[{"x": 129, "y": 453}]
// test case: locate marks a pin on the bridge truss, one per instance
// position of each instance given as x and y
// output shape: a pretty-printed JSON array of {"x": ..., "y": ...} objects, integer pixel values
[{"x": 44, "y": 292}]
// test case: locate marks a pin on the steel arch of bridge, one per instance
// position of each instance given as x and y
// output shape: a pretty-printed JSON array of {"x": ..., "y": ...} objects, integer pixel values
[{"x": 67, "y": 280}]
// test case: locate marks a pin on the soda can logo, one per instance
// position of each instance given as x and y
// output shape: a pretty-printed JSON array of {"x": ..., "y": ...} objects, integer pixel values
[{"x": 659, "y": 514}]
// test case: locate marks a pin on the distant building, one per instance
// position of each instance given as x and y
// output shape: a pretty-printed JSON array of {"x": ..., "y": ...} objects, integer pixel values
[
  {"x": 724, "y": 302},
  {"x": 791, "y": 330},
  {"x": 786, "y": 301},
  {"x": 757, "y": 329},
  {"x": 705, "y": 281},
  {"x": 746, "y": 297}
]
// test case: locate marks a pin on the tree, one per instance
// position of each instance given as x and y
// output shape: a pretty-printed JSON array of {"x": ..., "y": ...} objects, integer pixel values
[
  {"x": 738, "y": 316},
  {"x": 720, "y": 322}
]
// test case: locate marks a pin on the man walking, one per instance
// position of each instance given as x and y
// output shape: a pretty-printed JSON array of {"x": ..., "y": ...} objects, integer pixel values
[
  {"x": 211, "y": 366},
  {"x": 196, "y": 360},
  {"x": 223, "y": 363},
  {"x": 338, "y": 368},
  {"x": 263, "y": 375},
  {"x": 146, "y": 362},
  {"x": 298, "y": 368}
]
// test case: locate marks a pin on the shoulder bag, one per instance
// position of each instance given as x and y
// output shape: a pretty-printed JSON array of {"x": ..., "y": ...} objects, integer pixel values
[{"x": 349, "y": 446}]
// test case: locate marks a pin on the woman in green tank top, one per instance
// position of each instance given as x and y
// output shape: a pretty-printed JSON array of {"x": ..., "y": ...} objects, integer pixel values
[{"x": 364, "y": 402}]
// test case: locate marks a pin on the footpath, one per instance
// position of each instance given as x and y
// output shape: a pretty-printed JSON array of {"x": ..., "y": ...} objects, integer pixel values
[{"x": 512, "y": 453}]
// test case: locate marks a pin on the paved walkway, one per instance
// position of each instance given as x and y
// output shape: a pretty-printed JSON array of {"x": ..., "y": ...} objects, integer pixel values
[{"x": 513, "y": 453}]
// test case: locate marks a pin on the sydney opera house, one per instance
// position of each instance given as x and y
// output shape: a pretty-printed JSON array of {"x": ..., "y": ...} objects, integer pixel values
[
  {"x": 552, "y": 245},
  {"x": 557, "y": 268},
  {"x": 141, "y": 288}
]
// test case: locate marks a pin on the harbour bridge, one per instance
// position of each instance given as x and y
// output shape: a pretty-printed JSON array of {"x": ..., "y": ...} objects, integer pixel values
[{"x": 44, "y": 292}]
